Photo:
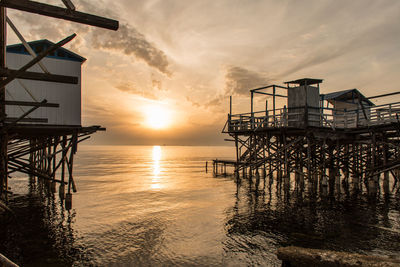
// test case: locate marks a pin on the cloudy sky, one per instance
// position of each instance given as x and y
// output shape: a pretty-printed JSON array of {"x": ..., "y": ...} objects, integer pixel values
[{"x": 183, "y": 59}]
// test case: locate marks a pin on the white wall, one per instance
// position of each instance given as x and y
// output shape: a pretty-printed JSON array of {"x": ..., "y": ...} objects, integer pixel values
[
  {"x": 68, "y": 96},
  {"x": 350, "y": 115}
]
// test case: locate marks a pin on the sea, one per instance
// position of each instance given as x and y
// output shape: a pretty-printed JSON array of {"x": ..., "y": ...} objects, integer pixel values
[{"x": 158, "y": 206}]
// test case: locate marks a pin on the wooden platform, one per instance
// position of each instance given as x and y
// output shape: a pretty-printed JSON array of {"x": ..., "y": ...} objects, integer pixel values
[
  {"x": 222, "y": 164},
  {"x": 29, "y": 130}
]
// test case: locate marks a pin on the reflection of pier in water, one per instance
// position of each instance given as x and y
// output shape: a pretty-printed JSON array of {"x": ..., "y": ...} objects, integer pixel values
[
  {"x": 318, "y": 142},
  {"x": 40, "y": 230},
  {"x": 269, "y": 217}
]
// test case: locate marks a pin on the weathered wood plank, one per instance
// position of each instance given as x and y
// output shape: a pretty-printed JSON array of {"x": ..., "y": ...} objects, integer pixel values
[
  {"x": 9, "y": 119},
  {"x": 263, "y": 93},
  {"x": 61, "y": 13},
  {"x": 37, "y": 76},
  {"x": 383, "y": 95},
  {"x": 30, "y": 104}
]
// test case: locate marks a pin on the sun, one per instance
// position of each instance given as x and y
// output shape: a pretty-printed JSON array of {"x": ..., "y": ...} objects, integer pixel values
[{"x": 157, "y": 116}]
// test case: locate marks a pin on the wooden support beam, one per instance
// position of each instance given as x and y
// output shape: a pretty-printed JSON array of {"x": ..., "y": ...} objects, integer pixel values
[
  {"x": 38, "y": 76},
  {"x": 263, "y": 93},
  {"x": 269, "y": 86},
  {"x": 61, "y": 13},
  {"x": 70, "y": 164},
  {"x": 12, "y": 120},
  {"x": 30, "y": 104},
  {"x": 27, "y": 168},
  {"x": 69, "y": 4},
  {"x": 22, "y": 117},
  {"x": 3, "y": 134},
  {"x": 383, "y": 95},
  {"x": 25, "y": 43}
]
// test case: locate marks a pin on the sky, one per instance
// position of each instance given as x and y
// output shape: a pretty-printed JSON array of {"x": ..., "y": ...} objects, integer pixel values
[{"x": 166, "y": 75}]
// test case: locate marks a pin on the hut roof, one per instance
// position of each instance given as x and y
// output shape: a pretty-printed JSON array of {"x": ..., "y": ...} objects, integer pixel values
[
  {"x": 304, "y": 81},
  {"x": 349, "y": 96},
  {"x": 41, "y": 45}
]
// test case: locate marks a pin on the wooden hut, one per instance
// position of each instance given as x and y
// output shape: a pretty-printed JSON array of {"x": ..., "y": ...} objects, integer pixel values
[
  {"x": 68, "y": 96},
  {"x": 303, "y": 102},
  {"x": 350, "y": 107}
]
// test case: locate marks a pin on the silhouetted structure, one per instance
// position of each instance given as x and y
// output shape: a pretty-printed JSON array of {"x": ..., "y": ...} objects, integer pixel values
[
  {"x": 41, "y": 146},
  {"x": 322, "y": 140}
]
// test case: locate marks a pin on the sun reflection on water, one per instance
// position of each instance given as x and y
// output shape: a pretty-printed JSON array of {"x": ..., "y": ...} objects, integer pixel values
[{"x": 155, "y": 182}]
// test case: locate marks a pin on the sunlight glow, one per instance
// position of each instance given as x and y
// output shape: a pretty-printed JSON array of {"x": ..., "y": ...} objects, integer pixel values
[
  {"x": 155, "y": 183},
  {"x": 157, "y": 116}
]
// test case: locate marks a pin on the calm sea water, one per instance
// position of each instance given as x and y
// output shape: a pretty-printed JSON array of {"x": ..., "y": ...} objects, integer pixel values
[{"x": 156, "y": 206}]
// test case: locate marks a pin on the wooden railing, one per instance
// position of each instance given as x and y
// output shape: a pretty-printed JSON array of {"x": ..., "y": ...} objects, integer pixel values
[{"x": 322, "y": 117}]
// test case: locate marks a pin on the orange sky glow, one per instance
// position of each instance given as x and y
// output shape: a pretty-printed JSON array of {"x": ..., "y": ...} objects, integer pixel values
[{"x": 166, "y": 75}]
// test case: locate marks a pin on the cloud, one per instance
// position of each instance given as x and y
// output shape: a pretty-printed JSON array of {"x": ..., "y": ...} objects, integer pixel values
[
  {"x": 127, "y": 39},
  {"x": 130, "y": 88},
  {"x": 210, "y": 103},
  {"x": 131, "y": 42},
  {"x": 238, "y": 80},
  {"x": 192, "y": 102},
  {"x": 347, "y": 39},
  {"x": 157, "y": 85}
]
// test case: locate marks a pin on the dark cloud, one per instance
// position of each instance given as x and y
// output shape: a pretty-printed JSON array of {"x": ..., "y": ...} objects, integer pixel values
[
  {"x": 238, "y": 80},
  {"x": 131, "y": 42}
]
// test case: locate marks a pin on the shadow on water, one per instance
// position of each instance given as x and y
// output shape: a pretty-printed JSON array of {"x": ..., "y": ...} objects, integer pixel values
[
  {"x": 40, "y": 232},
  {"x": 264, "y": 219}
]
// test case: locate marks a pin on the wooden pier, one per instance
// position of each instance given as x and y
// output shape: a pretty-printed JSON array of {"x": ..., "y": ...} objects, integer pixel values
[
  {"x": 32, "y": 145},
  {"x": 221, "y": 166},
  {"x": 317, "y": 141}
]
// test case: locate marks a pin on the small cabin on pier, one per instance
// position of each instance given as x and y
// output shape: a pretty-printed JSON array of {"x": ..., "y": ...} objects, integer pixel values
[
  {"x": 67, "y": 96},
  {"x": 347, "y": 105},
  {"x": 303, "y": 102}
]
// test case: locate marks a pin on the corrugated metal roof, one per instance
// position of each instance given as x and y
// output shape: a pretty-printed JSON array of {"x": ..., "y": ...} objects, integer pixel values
[
  {"x": 41, "y": 45},
  {"x": 345, "y": 95}
]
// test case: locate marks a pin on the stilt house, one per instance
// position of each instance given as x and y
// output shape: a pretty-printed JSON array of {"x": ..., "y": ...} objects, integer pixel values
[
  {"x": 67, "y": 96},
  {"x": 322, "y": 140}
]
